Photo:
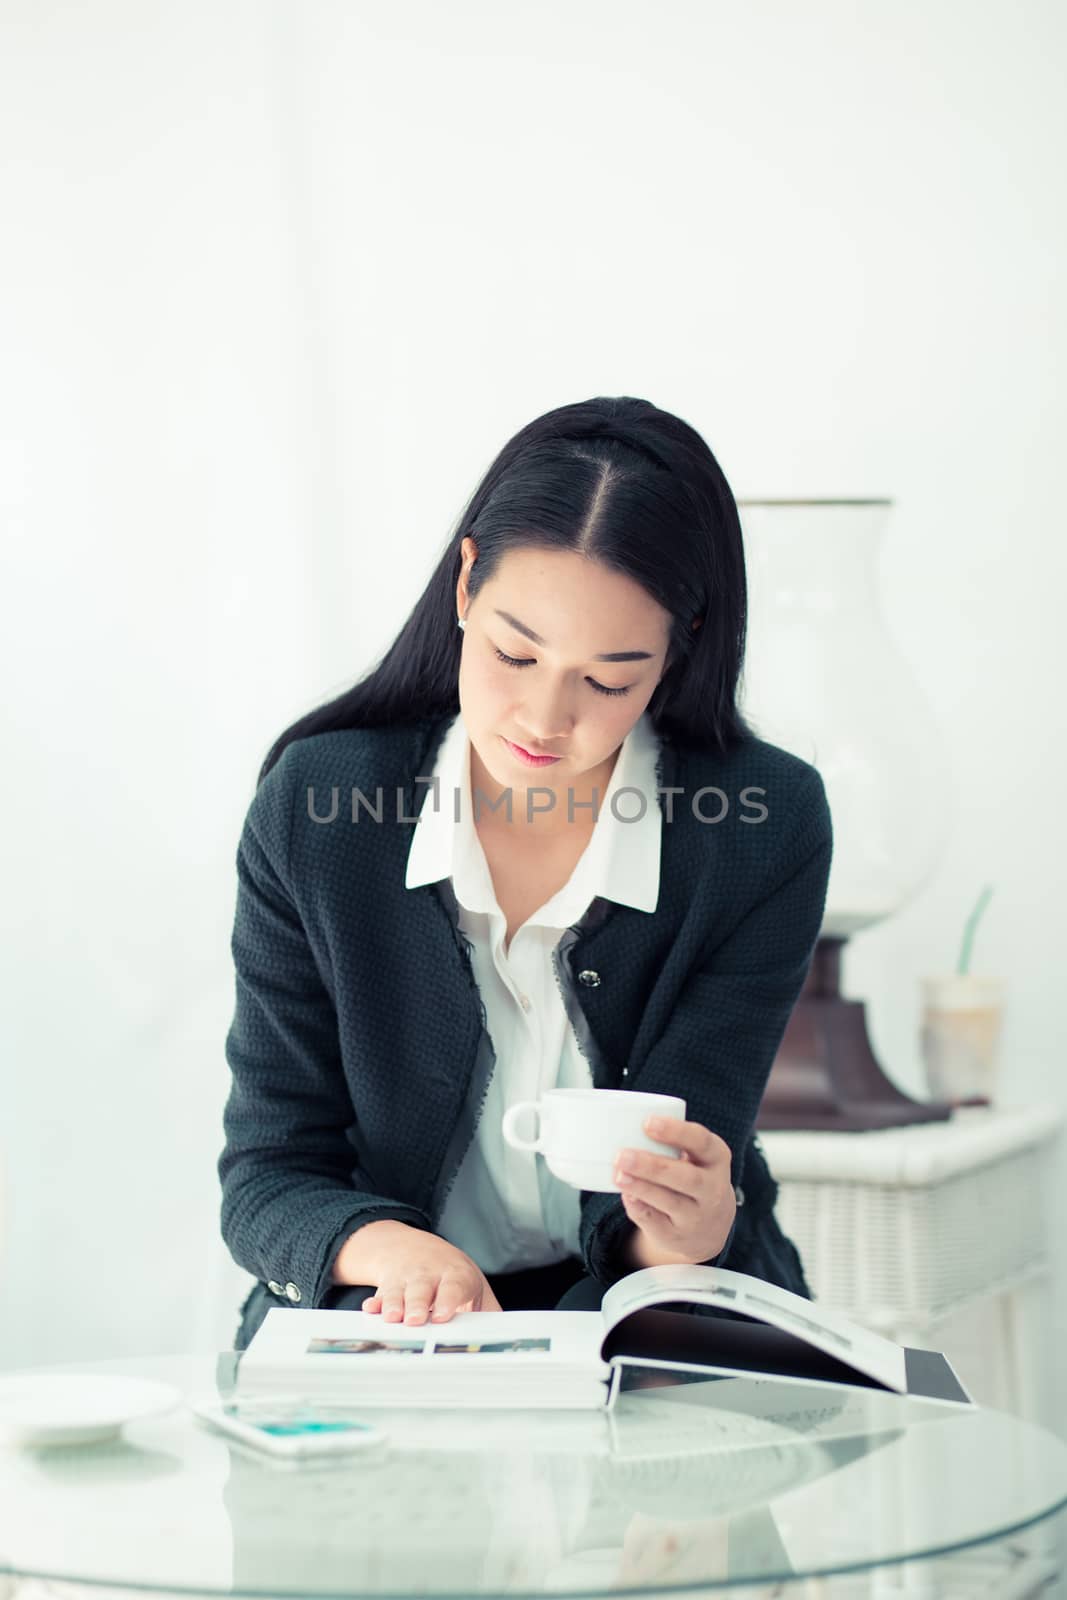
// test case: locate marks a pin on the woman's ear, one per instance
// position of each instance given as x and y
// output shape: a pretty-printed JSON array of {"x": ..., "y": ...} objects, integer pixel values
[{"x": 469, "y": 553}]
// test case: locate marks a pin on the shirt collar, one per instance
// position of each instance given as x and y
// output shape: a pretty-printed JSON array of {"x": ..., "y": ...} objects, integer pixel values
[{"x": 620, "y": 863}]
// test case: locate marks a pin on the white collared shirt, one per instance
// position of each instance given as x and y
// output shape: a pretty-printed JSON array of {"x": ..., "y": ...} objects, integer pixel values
[{"x": 505, "y": 1209}]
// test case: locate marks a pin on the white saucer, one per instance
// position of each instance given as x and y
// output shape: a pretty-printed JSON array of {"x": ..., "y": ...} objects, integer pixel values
[{"x": 75, "y": 1407}]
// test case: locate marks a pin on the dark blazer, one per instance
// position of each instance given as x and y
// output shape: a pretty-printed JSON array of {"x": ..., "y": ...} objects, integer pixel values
[{"x": 358, "y": 1048}]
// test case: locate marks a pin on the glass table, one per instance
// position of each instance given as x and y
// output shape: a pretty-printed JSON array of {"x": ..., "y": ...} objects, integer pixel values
[{"x": 690, "y": 1484}]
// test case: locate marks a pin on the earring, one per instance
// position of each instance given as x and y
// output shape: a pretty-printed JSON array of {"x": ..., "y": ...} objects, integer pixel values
[{"x": 462, "y": 623}]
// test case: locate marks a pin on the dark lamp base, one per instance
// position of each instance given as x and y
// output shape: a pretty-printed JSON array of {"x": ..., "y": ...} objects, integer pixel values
[{"x": 825, "y": 1074}]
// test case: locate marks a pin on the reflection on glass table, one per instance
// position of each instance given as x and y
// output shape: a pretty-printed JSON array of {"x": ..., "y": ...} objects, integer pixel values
[{"x": 688, "y": 1481}]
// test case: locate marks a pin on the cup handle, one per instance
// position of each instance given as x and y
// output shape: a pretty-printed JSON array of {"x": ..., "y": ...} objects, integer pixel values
[{"x": 511, "y": 1117}]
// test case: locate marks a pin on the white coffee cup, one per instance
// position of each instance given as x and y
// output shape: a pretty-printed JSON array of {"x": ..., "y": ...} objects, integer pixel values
[{"x": 581, "y": 1131}]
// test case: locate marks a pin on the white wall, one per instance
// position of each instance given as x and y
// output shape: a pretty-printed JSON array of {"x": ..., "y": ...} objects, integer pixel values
[{"x": 277, "y": 280}]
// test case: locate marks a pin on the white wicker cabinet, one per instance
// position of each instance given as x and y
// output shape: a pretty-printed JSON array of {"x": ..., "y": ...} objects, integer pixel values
[{"x": 904, "y": 1228}]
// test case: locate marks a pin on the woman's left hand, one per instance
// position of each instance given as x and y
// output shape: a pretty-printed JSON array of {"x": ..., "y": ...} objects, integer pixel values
[{"x": 683, "y": 1205}]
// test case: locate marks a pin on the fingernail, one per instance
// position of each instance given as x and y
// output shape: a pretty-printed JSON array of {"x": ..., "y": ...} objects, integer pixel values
[{"x": 654, "y": 1125}]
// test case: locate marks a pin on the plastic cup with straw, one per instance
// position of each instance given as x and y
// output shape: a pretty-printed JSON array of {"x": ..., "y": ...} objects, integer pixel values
[{"x": 962, "y": 1015}]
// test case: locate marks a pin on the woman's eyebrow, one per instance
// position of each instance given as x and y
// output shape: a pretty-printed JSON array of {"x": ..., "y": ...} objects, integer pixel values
[{"x": 611, "y": 655}]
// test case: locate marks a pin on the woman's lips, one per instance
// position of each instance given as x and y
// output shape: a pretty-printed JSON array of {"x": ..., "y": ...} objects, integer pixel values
[{"x": 526, "y": 758}]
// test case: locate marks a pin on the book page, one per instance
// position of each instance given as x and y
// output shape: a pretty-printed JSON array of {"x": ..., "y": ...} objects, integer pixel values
[
  {"x": 828, "y": 1331},
  {"x": 305, "y": 1342}
]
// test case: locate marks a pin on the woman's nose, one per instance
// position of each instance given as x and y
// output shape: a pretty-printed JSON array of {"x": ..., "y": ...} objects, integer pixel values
[{"x": 548, "y": 717}]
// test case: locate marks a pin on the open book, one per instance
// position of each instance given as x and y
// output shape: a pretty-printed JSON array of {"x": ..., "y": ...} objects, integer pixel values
[{"x": 574, "y": 1359}]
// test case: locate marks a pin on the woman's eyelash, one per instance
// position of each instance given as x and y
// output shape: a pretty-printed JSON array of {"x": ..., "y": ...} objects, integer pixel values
[{"x": 510, "y": 661}]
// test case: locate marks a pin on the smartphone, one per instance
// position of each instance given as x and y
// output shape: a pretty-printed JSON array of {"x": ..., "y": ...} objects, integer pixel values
[{"x": 289, "y": 1430}]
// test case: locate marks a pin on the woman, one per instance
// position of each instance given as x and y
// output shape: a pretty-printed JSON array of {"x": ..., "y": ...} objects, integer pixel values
[{"x": 398, "y": 986}]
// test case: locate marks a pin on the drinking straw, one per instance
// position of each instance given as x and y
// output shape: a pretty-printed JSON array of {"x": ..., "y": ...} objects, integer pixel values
[{"x": 969, "y": 929}]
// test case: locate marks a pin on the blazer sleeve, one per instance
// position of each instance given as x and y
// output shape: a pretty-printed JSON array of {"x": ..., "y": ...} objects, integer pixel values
[
  {"x": 292, "y": 1191},
  {"x": 719, "y": 1044}
]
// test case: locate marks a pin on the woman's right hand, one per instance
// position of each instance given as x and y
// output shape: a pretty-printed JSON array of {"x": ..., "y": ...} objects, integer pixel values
[{"x": 416, "y": 1274}]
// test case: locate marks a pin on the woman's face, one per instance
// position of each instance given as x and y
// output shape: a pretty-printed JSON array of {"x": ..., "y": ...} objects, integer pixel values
[{"x": 555, "y": 703}]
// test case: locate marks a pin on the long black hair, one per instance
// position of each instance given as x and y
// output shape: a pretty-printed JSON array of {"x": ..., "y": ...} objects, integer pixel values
[{"x": 619, "y": 481}]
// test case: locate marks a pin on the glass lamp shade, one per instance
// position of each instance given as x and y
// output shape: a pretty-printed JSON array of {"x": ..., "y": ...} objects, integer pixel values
[{"x": 824, "y": 679}]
